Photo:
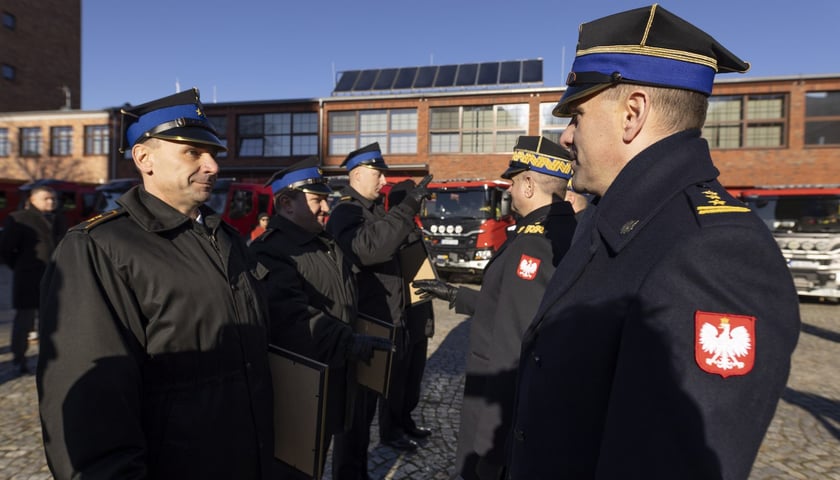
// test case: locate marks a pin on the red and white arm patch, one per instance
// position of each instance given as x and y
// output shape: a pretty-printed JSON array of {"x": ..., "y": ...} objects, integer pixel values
[
  {"x": 528, "y": 267},
  {"x": 724, "y": 344}
]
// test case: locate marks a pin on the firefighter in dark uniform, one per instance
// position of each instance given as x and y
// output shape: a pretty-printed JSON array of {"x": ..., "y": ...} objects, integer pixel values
[
  {"x": 513, "y": 284},
  {"x": 663, "y": 342},
  {"x": 153, "y": 359},
  {"x": 372, "y": 237},
  {"x": 311, "y": 289}
]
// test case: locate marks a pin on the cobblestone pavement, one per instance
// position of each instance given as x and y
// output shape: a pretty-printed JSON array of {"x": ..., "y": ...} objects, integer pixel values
[{"x": 803, "y": 441}]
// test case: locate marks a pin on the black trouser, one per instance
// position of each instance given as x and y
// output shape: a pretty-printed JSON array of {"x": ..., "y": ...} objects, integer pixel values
[
  {"x": 404, "y": 394},
  {"x": 351, "y": 447}
]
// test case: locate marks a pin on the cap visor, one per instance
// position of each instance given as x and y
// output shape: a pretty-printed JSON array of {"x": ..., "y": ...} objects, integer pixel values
[
  {"x": 511, "y": 172},
  {"x": 576, "y": 92},
  {"x": 192, "y": 135},
  {"x": 318, "y": 188}
]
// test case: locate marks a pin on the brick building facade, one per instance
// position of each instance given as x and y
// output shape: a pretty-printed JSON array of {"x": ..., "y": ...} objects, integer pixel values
[{"x": 40, "y": 55}]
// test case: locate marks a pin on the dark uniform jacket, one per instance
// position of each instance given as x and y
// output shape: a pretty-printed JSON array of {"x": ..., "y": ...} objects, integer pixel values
[
  {"x": 26, "y": 244},
  {"x": 372, "y": 238},
  {"x": 511, "y": 289},
  {"x": 153, "y": 358},
  {"x": 614, "y": 381},
  {"x": 311, "y": 291}
]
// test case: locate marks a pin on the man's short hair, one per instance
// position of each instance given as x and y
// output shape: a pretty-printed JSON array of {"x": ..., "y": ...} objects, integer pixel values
[{"x": 678, "y": 109}]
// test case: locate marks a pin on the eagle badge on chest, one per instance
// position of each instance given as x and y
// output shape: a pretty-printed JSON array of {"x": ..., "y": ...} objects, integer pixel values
[{"x": 724, "y": 344}]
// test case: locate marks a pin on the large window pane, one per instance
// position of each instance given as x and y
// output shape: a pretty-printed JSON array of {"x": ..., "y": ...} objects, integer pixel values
[
  {"x": 97, "y": 140},
  {"x": 305, "y": 145},
  {"x": 766, "y": 107},
  {"x": 30, "y": 141},
  {"x": 250, "y": 124},
  {"x": 746, "y": 121},
  {"x": 445, "y": 143},
  {"x": 278, "y": 123},
  {"x": 404, "y": 119},
  {"x": 306, "y": 123},
  {"x": 769, "y": 135},
  {"x": 403, "y": 143},
  {"x": 478, "y": 118},
  {"x": 61, "y": 141},
  {"x": 444, "y": 119},
  {"x": 343, "y": 122},
  {"x": 822, "y": 118},
  {"x": 277, "y": 146},
  {"x": 373, "y": 121},
  {"x": 5, "y": 143},
  {"x": 512, "y": 116},
  {"x": 342, "y": 144},
  {"x": 724, "y": 109}
]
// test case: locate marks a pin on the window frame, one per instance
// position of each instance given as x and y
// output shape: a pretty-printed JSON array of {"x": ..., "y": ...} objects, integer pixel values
[
  {"x": 832, "y": 120},
  {"x": 746, "y": 128},
  {"x": 30, "y": 137},
  {"x": 61, "y": 141},
  {"x": 395, "y": 129},
  {"x": 5, "y": 143},
  {"x": 97, "y": 140},
  {"x": 291, "y": 138},
  {"x": 484, "y": 134}
]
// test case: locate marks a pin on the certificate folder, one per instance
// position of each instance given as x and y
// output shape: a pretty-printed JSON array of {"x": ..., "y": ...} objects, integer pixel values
[
  {"x": 300, "y": 400},
  {"x": 415, "y": 265},
  {"x": 376, "y": 375}
]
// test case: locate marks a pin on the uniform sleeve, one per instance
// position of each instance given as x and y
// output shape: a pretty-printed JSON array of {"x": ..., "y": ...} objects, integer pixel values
[
  {"x": 667, "y": 414},
  {"x": 527, "y": 270},
  {"x": 89, "y": 368},
  {"x": 466, "y": 300},
  {"x": 370, "y": 241},
  {"x": 294, "y": 323},
  {"x": 8, "y": 242}
]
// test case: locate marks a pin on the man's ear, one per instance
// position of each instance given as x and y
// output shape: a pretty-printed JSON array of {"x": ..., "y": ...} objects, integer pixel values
[
  {"x": 142, "y": 155},
  {"x": 636, "y": 111}
]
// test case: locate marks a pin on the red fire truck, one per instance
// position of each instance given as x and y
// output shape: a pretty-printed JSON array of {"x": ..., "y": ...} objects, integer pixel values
[
  {"x": 465, "y": 222},
  {"x": 805, "y": 220}
]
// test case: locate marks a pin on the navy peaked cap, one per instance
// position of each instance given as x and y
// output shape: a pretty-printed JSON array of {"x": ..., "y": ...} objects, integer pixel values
[{"x": 647, "y": 46}]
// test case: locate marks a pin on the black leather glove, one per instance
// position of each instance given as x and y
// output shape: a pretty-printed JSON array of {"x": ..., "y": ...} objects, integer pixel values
[
  {"x": 415, "y": 196},
  {"x": 437, "y": 289},
  {"x": 360, "y": 348}
]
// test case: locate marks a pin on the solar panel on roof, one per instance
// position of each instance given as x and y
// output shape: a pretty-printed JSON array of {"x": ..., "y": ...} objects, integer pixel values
[
  {"x": 385, "y": 79},
  {"x": 365, "y": 81},
  {"x": 510, "y": 72},
  {"x": 532, "y": 71},
  {"x": 488, "y": 73},
  {"x": 405, "y": 77},
  {"x": 446, "y": 76},
  {"x": 345, "y": 83},
  {"x": 467, "y": 74},
  {"x": 425, "y": 77}
]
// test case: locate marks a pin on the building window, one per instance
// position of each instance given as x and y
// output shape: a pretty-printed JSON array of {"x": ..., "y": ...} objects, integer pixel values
[
  {"x": 395, "y": 130},
  {"x": 5, "y": 145},
  {"x": 749, "y": 121},
  {"x": 8, "y": 72},
  {"x": 97, "y": 140},
  {"x": 477, "y": 129},
  {"x": 552, "y": 127},
  {"x": 822, "y": 118},
  {"x": 219, "y": 123},
  {"x": 9, "y": 21},
  {"x": 278, "y": 134},
  {"x": 61, "y": 141},
  {"x": 30, "y": 141}
]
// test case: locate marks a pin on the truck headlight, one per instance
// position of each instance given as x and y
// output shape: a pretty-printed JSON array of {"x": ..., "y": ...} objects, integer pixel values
[{"x": 483, "y": 254}]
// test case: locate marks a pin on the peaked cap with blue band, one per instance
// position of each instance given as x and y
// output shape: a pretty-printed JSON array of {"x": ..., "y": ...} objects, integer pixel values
[
  {"x": 179, "y": 117},
  {"x": 540, "y": 155},
  {"x": 647, "y": 46},
  {"x": 304, "y": 175},
  {"x": 368, "y": 156}
]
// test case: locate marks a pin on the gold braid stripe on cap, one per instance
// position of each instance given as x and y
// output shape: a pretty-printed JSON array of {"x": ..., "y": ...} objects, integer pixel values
[
  {"x": 680, "y": 55},
  {"x": 552, "y": 164}
]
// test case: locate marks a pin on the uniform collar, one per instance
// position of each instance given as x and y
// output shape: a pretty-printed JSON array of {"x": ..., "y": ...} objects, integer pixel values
[
  {"x": 348, "y": 190},
  {"x": 154, "y": 215},
  {"x": 649, "y": 181},
  {"x": 290, "y": 230}
]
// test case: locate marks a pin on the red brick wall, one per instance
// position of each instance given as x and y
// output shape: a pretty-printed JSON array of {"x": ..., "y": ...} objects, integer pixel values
[{"x": 45, "y": 50}]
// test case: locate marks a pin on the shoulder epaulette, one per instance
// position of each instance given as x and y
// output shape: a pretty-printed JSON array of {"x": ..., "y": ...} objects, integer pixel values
[
  {"x": 535, "y": 228},
  {"x": 99, "y": 219},
  {"x": 708, "y": 200}
]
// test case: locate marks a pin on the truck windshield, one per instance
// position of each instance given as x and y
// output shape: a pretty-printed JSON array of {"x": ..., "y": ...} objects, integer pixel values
[
  {"x": 457, "y": 204},
  {"x": 809, "y": 213}
]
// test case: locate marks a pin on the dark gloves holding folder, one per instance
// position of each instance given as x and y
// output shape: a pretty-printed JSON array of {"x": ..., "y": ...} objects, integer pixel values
[
  {"x": 407, "y": 193},
  {"x": 437, "y": 289},
  {"x": 360, "y": 348}
]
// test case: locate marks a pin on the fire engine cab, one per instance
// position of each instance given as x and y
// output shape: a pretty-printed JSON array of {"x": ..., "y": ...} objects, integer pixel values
[
  {"x": 805, "y": 220},
  {"x": 464, "y": 222}
]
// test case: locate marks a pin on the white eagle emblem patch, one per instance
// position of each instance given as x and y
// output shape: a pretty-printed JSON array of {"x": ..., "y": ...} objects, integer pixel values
[
  {"x": 528, "y": 267},
  {"x": 725, "y": 344}
]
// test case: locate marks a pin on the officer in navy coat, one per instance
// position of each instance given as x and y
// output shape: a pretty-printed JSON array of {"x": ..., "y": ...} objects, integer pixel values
[
  {"x": 513, "y": 284},
  {"x": 663, "y": 342}
]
